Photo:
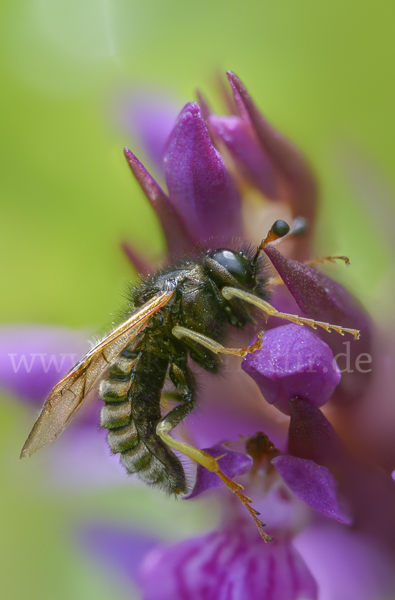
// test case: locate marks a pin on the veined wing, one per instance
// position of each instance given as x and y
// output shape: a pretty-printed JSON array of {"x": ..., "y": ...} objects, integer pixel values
[{"x": 68, "y": 395}]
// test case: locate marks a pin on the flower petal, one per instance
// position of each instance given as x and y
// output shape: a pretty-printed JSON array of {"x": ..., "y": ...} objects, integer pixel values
[
  {"x": 238, "y": 136},
  {"x": 293, "y": 363},
  {"x": 177, "y": 238},
  {"x": 313, "y": 484},
  {"x": 226, "y": 565},
  {"x": 323, "y": 299},
  {"x": 34, "y": 358},
  {"x": 292, "y": 167},
  {"x": 200, "y": 188},
  {"x": 231, "y": 463}
]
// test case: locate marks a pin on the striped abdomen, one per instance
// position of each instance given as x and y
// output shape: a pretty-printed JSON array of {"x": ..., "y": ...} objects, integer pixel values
[{"x": 131, "y": 412}]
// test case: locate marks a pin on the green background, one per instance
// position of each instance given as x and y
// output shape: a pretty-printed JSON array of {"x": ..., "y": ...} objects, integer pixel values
[{"x": 322, "y": 72}]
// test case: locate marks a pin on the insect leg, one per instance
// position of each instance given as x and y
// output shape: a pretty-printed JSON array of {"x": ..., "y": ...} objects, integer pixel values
[
  {"x": 180, "y": 332},
  {"x": 229, "y": 293},
  {"x": 184, "y": 381},
  {"x": 181, "y": 375},
  {"x": 211, "y": 464}
]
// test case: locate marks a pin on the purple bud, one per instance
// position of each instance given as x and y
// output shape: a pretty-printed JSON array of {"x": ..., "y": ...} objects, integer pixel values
[
  {"x": 200, "y": 188},
  {"x": 293, "y": 363}
]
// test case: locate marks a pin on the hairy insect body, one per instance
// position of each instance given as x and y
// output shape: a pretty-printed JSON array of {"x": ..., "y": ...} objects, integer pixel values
[
  {"x": 131, "y": 412},
  {"x": 132, "y": 391}
]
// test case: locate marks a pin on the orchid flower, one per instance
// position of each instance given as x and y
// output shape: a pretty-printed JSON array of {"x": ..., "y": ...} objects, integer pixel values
[{"x": 275, "y": 424}]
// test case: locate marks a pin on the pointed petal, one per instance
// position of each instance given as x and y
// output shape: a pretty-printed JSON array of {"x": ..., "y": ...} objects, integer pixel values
[
  {"x": 255, "y": 166},
  {"x": 323, "y": 299},
  {"x": 200, "y": 188},
  {"x": 226, "y": 565},
  {"x": 231, "y": 463},
  {"x": 177, "y": 238},
  {"x": 34, "y": 358},
  {"x": 291, "y": 166},
  {"x": 293, "y": 363},
  {"x": 313, "y": 484}
]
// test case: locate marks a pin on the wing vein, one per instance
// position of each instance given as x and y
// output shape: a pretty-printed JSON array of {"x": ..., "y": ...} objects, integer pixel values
[{"x": 59, "y": 408}]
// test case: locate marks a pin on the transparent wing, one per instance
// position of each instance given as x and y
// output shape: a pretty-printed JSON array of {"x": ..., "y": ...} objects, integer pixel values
[{"x": 68, "y": 395}]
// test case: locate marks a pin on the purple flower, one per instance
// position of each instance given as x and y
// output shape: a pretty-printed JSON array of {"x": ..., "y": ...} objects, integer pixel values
[
  {"x": 293, "y": 363},
  {"x": 229, "y": 564},
  {"x": 276, "y": 425},
  {"x": 309, "y": 557}
]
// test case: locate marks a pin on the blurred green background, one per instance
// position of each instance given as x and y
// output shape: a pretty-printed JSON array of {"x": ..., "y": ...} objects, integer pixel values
[{"x": 321, "y": 72}]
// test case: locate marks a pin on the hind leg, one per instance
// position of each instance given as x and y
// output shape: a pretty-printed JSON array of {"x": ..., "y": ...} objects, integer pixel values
[{"x": 183, "y": 379}]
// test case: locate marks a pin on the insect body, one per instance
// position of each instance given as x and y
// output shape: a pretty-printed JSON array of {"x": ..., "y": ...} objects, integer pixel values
[
  {"x": 136, "y": 378},
  {"x": 182, "y": 311}
]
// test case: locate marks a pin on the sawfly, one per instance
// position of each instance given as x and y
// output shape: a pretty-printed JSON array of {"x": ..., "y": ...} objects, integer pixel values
[{"x": 181, "y": 312}]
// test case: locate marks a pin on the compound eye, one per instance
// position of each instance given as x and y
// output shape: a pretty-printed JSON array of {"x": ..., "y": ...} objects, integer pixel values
[{"x": 236, "y": 264}]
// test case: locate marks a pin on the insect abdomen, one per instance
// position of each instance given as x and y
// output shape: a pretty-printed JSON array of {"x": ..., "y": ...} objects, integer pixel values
[{"x": 132, "y": 409}]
